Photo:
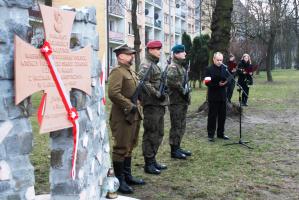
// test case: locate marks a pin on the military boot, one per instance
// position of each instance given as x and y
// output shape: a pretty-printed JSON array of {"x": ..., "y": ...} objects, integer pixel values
[
  {"x": 150, "y": 167},
  {"x": 119, "y": 174},
  {"x": 186, "y": 152},
  {"x": 131, "y": 180},
  {"x": 159, "y": 166},
  {"x": 175, "y": 152}
]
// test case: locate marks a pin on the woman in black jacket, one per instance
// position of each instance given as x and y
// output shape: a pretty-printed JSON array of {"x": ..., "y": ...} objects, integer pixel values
[{"x": 245, "y": 71}]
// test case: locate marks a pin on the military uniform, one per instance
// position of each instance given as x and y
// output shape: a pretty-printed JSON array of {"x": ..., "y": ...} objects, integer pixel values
[
  {"x": 179, "y": 100},
  {"x": 125, "y": 119},
  {"x": 153, "y": 103}
]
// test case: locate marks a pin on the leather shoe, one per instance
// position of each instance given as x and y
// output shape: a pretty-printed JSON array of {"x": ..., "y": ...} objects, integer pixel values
[
  {"x": 160, "y": 166},
  {"x": 177, "y": 154},
  {"x": 225, "y": 137},
  {"x": 211, "y": 139},
  {"x": 186, "y": 152},
  {"x": 151, "y": 169}
]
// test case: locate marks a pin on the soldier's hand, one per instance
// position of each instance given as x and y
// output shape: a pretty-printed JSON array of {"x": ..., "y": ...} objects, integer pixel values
[
  {"x": 162, "y": 97},
  {"x": 134, "y": 109}
]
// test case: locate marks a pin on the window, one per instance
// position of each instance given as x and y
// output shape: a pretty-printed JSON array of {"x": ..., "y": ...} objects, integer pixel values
[
  {"x": 166, "y": 18},
  {"x": 130, "y": 31},
  {"x": 112, "y": 26}
]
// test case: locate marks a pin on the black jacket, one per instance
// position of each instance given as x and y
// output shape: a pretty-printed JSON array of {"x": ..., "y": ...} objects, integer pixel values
[
  {"x": 243, "y": 71},
  {"x": 217, "y": 74}
]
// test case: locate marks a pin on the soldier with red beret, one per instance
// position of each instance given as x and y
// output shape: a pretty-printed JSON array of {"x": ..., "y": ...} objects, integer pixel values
[{"x": 154, "y": 104}]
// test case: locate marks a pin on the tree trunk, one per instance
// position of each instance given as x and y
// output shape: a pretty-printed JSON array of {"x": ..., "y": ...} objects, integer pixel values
[
  {"x": 297, "y": 54},
  {"x": 137, "y": 41},
  {"x": 221, "y": 26},
  {"x": 269, "y": 59}
]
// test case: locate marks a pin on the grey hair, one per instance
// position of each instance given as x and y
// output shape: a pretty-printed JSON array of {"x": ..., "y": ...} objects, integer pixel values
[{"x": 217, "y": 54}]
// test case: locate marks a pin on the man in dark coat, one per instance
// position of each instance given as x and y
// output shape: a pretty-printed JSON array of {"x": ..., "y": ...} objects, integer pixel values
[{"x": 215, "y": 79}]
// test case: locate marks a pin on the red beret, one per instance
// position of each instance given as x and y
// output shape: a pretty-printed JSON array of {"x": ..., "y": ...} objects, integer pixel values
[{"x": 154, "y": 44}]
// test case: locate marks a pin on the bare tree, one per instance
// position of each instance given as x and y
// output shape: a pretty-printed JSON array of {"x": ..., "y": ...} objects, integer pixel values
[
  {"x": 221, "y": 27},
  {"x": 137, "y": 41}
]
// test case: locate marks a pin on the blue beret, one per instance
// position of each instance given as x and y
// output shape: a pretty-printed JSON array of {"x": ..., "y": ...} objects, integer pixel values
[{"x": 178, "y": 48}]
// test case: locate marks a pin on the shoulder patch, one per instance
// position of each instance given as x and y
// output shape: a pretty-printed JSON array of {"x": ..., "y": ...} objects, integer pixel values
[{"x": 174, "y": 66}]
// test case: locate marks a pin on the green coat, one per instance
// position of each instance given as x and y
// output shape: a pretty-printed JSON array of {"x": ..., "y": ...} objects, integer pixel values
[
  {"x": 152, "y": 82},
  {"x": 175, "y": 79}
]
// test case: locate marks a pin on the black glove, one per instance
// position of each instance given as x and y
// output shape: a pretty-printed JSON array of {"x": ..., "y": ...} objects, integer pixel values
[
  {"x": 162, "y": 97},
  {"x": 134, "y": 109}
]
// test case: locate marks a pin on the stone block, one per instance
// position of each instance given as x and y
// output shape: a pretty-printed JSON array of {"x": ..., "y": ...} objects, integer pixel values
[
  {"x": 92, "y": 15},
  {"x": 30, "y": 193},
  {"x": 17, "y": 28},
  {"x": 20, "y": 144},
  {"x": 3, "y": 36},
  {"x": 56, "y": 158},
  {"x": 5, "y": 171},
  {"x": 4, "y": 186},
  {"x": 23, "y": 178},
  {"x": 67, "y": 188},
  {"x": 81, "y": 158},
  {"x": 14, "y": 197},
  {"x": 19, "y": 3},
  {"x": 5, "y": 128},
  {"x": 2, "y": 152}
]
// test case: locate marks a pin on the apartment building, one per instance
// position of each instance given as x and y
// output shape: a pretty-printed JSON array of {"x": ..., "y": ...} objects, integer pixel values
[{"x": 164, "y": 20}]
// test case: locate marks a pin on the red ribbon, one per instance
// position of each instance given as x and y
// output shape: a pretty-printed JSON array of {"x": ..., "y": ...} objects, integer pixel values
[{"x": 71, "y": 111}]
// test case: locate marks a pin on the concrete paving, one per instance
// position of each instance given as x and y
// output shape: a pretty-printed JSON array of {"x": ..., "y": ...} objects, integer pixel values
[{"x": 47, "y": 197}]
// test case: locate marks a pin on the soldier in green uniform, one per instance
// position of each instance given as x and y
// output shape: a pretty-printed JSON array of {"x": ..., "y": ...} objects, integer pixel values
[
  {"x": 125, "y": 117},
  {"x": 154, "y": 104},
  {"x": 179, "y": 98}
]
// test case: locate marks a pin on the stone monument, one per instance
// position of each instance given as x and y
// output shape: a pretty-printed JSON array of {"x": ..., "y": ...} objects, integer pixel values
[{"x": 93, "y": 160}]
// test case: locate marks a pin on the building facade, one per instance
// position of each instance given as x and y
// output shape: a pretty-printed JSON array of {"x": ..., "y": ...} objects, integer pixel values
[{"x": 164, "y": 20}]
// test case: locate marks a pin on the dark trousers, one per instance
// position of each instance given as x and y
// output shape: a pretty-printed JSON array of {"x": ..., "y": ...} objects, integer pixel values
[
  {"x": 153, "y": 124},
  {"x": 178, "y": 123},
  {"x": 246, "y": 90},
  {"x": 230, "y": 90},
  {"x": 217, "y": 111}
]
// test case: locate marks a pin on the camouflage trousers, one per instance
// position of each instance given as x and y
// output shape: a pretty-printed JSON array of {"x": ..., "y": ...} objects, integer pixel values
[
  {"x": 178, "y": 123},
  {"x": 125, "y": 138},
  {"x": 153, "y": 123}
]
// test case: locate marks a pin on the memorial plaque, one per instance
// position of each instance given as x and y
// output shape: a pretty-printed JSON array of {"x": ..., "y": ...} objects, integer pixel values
[{"x": 32, "y": 73}]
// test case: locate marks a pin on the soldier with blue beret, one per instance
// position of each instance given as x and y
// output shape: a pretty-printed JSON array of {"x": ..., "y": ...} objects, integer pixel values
[
  {"x": 178, "y": 48},
  {"x": 179, "y": 99}
]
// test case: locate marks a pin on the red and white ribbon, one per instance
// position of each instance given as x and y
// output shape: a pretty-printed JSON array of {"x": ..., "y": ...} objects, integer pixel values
[
  {"x": 103, "y": 79},
  {"x": 72, "y": 112}
]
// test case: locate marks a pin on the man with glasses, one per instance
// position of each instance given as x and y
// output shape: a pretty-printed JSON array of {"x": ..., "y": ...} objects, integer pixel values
[
  {"x": 215, "y": 79},
  {"x": 154, "y": 103}
]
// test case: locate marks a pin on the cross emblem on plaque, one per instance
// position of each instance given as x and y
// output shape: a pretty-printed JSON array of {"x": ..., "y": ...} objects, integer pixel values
[{"x": 32, "y": 73}]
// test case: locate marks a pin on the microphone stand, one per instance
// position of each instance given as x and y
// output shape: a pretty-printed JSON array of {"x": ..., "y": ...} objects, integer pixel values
[{"x": 231, "y": 77}]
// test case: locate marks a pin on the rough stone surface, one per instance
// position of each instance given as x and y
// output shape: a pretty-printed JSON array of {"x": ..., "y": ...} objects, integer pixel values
[
  {"x": 91, "y": 169},
  {"x": 16, "y": 171},
  {"x": 19, "y": 3}
]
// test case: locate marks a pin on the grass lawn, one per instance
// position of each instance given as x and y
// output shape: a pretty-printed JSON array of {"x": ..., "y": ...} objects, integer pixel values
[{"x": 269, "y": 171}]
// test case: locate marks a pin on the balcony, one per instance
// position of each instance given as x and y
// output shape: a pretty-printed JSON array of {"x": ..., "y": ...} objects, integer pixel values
[
  {"x": 178, "y": 30},
  {"x": 115, "y": 36},
  {"x": 149, "y": 20},
  {"x": 158, "y": 2},
  {"x": 183, "y": 14}
]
